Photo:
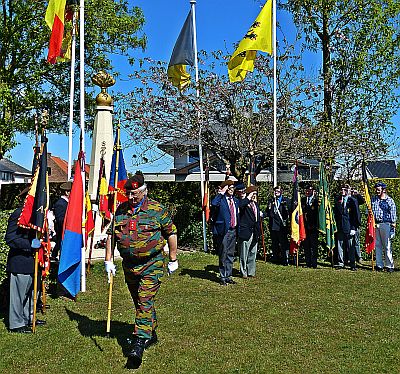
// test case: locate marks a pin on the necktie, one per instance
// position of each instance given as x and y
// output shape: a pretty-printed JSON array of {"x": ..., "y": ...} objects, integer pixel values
[
  {"x": 232, "y": 212},
  {"x": 253, "y": 206}
]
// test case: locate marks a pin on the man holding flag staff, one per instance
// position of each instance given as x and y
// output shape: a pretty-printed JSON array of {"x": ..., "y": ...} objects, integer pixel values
[{"x": 141, "y": 228}]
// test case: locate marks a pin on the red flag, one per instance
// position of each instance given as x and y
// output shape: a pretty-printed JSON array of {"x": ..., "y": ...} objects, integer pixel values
[
  {"x": 297, "y": 224},
  {"x": 55, "y": 18},
  {"x": 104, "y": 209},
  {"x": 370, "y": 228},
  {"x": 206, "y": 200},
  {"x": 36, "y": 202}
]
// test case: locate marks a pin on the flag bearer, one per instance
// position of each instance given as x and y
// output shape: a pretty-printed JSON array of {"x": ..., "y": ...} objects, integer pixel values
[{"x": 142, "y": 226}]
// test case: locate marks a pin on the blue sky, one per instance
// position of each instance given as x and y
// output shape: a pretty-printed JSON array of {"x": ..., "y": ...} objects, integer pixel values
[{"x": 220, "y": 23}]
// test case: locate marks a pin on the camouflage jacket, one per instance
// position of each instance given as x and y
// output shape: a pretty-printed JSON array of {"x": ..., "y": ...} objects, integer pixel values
[{"x": 142, "y": 234}]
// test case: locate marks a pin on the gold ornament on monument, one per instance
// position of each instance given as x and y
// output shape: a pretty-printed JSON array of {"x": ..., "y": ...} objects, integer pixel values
[{"x": 103, "y": 80}]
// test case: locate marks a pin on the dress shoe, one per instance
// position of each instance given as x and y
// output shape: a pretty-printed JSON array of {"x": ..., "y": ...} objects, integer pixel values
[
  {"x": 377, "y": 268},
  {"x": 39, "y": 322},
  {"x": 223, "y": 283},
  {"x": 136, "y": 354},
  {"x": 390, "y": 270},
  {"x": 151, "y": 341},
  {"x": 230, "y": 281},
  {"x": 22, "y": 330},
  {"x": 353, "y": 269}
]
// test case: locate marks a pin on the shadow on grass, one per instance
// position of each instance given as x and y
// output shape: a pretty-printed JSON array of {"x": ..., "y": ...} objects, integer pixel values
[
  {"x": 210, "y": 272},
  {"x": 91, "y": 328}
]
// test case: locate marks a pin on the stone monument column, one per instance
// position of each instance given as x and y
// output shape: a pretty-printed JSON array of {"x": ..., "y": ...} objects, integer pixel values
[{"x": 103, "y": 140}]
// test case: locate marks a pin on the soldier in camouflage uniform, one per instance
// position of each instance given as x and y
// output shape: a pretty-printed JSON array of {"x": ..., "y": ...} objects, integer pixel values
[{"x": 141, "y": 227}]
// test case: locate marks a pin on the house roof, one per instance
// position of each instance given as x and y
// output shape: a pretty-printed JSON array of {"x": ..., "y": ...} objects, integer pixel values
[
  {"x": 59, "y": 169},
  {"x": 382, "y": 169},
  {"x": 10, "y": 166}
]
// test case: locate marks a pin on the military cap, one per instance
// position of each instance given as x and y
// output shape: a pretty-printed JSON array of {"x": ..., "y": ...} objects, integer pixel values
[
  {"x": 240, "y": 186},
  {"x": 380, "y": 184},
  {"x": 227, "y": 182},
  {"x": 66, "y": 186},
  {"x": 308, "y": 186},
  {"x": 135, "y": 182},
  {"x": 251, "y": 189}
]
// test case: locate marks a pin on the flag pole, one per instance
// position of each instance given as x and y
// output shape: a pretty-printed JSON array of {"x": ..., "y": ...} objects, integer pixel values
[
  {"x": 118, "y": 147},
  {"x": 71, "y": 95},
  {"x": 82, "y": 118},
  {"x": 196, "y": 65},
  {"x": 275, "y": 141}
]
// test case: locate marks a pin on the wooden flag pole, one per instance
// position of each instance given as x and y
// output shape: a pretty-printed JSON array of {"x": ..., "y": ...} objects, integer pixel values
[
  {"x": 35, "y": 284},
  {"x": 118, "y": 147}
]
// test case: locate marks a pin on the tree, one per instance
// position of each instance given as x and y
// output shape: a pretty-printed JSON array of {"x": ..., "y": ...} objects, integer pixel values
[
  {"x": 28, "y": 84},
  {"x": 360, "y": 43},
  {"x": 235, "y": 120}
]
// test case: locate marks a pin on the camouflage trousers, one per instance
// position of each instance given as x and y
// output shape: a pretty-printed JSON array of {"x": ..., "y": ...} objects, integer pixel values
[{"x": 143, "y": 283}]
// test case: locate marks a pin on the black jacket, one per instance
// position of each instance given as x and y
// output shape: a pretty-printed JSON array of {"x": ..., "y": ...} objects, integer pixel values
[
  {"x": 275, "y": 222},
  {"x": 248, "y": 223},
  {"x": 346, "y": 216},
  {"x": 20, "y": 257},
  {"x": 310, "y": 213}
]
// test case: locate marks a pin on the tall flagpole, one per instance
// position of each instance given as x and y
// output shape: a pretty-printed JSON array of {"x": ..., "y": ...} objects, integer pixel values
[
  {"x": 71, "y": 94},
  {"x": 82, "y": 117},
  {"x": 196, "y": 65},
  {"x": 275, "y": 180}
]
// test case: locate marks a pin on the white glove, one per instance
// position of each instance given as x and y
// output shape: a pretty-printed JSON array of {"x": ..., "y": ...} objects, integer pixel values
[
  {"x": 35, "y": 243},
  {"x": 352, "y": 232},
  {"x": 172, "y": 266},
  {"x": 110, "y": 269},
  {"x": 392, "y": 232}
]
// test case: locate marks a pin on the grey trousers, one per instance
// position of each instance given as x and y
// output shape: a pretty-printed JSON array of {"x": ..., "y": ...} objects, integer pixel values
[
  {"x": 383, "y": 245},
  {"x": 226, "y": 255},
  {"x": 21, "y": 300},
  {"x": 248, "y": 254}
]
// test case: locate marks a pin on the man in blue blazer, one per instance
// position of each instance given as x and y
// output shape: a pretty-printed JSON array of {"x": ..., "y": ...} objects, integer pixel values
[{"x": 225, "y": 228}]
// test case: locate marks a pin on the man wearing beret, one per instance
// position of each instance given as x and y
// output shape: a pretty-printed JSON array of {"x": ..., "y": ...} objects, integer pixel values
[
  {"x": 249, "y": 232},
  {"x": 142, "y": 226},
  {"x": 224, "y": 229},
  {"x": 384, "y": 210},
  {"x": 278, "y": 213},
  {"x": 309, "y": 205}
]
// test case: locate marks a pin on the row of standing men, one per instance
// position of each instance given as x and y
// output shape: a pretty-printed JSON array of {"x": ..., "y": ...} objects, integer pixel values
[{"x": 236, "y": 217}]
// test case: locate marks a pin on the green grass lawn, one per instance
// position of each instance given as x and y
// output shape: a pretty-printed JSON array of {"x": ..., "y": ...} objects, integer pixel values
[{"x": 286, "y": 320}]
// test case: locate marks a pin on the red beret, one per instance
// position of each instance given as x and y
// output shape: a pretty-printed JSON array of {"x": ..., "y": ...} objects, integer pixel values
[{"x": 133, "y": 183}]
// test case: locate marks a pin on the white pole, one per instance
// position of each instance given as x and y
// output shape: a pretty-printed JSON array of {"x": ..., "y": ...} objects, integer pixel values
[
  {"x": 82, "y": 119},
  {"x": 274, "y": 85},
  {"x": 196, "y": 65},
  {"x": 71, "y": 95}
]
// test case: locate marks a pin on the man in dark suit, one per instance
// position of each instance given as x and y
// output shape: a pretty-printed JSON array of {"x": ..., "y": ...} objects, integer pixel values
[
  {"x": 59, "y": 210},
  {"x": 356, "y": 238},
  {"x": 278, "y": 213},
  {"x": 249, "y": 232},
  {"x": 346, "y": 218},
  {"x": 309, "y": 205},
  {"x": 225, "y": 227}
]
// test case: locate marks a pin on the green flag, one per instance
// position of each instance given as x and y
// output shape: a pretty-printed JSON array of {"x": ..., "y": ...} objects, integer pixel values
[{"x": 327, "y": 224}]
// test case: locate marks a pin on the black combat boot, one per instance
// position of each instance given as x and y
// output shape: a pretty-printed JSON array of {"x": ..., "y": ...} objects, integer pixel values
[
  {"x": 136, "y": 354},
  {"x": 152, "y": 340}
]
